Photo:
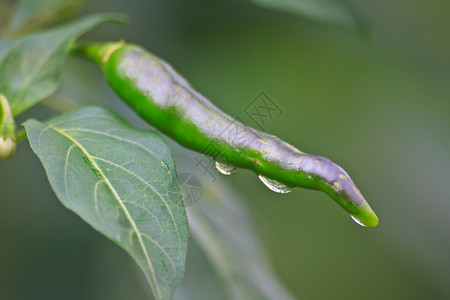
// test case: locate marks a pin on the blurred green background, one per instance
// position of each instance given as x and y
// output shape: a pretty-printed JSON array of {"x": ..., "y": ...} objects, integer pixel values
[{"x": 379, "y": 106}]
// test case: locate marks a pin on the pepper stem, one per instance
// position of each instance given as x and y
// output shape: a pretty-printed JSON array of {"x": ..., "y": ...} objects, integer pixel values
[{"x": 97, "y": 52}]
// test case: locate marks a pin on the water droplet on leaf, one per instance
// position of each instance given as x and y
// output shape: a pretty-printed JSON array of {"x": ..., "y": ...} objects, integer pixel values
[
  {"x": 226, "y": 169},
  {"x": 275, "y": 185}
]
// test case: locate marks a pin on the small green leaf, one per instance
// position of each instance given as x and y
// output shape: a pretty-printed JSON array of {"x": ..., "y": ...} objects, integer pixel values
[
  {"x": 29, "y": 14},
  {"x": 122, "y": 181},
  {"x": 30, "y": 67},
  {"x": 339, "y": 12}
]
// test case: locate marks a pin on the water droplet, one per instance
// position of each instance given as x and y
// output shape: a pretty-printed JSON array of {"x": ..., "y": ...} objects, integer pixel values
[
  {"x": 275, "y": 185},
  {"x": 358, "y": 221},
  {"x": 226, "y": 169}
]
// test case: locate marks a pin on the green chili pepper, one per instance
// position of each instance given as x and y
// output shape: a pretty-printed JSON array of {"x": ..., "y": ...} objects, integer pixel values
[{"x": 166, "y": 100}]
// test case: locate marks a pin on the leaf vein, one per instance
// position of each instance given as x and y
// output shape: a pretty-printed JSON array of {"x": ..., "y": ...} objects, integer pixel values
[
  {"x": 149, "y": 186},
  {"x": 161, "y": 248},
  {"x": 66, "y": 166},
  {"x": 122, "y": 206},
  {"x": 115, "y": 137}
]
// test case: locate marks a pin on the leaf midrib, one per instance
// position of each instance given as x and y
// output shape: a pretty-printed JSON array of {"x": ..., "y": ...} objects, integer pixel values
[
  {"x": 128, "y": 171},
  {"x": 123, "y": 207}
]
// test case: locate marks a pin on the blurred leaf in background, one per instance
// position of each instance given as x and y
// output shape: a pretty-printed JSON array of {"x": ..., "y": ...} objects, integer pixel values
[
  {"x": 336, "y": 12},
  {"x": 30, "y": 67},
  {"x": 222, "y": 227},
  {"x": 5, "y": 14},
  {"x": 33, "y": 14}
]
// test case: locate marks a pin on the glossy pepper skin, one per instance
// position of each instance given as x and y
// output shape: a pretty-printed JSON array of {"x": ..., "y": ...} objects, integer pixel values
[{"x": 163, "y": 98}]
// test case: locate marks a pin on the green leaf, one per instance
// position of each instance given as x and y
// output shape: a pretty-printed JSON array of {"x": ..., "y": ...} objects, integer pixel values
[
  {"x": 339, "y": 12},
  {"x": 222, "y": 227},
  {"x": 122, "y": 181},
  {"x": 30, "y": 67},
  {"x": 29, "y": 14}
]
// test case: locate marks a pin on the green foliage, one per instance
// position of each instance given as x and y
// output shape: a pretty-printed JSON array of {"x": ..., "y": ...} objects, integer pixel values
[
  {"x": 121, "y": 181},
  {"x": 222, "y": 227},
  {"x": 339, "y": 12},
  {"x": 30, "y": 14},
  {"x": 30, "y": 67}
]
